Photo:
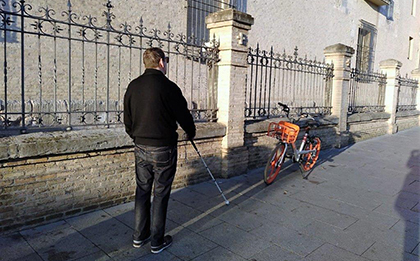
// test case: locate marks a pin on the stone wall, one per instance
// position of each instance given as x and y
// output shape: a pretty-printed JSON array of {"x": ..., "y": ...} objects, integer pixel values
[
  {"x": 364, "y": 126},
  {"x": 408, "y": 119},
  {"x": 49, "y": 176}
]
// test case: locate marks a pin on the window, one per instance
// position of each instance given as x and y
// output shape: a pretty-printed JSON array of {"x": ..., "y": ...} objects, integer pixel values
[
  {"x": 199, "y": 9},
  {"x": 410, "y": 48},
  {"x": 366, "y": 47},
  {"x": 388, "y": 10}
]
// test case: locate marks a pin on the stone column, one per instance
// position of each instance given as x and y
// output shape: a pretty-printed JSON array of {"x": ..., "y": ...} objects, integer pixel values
[
  {"x": 230, "y": 27},
  {"x": 391, "y": 68},
  {"x": 340, "y": 55}
]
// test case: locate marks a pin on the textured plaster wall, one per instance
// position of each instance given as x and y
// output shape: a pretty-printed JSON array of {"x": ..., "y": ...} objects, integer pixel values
[{"x": 314, "y": 25}]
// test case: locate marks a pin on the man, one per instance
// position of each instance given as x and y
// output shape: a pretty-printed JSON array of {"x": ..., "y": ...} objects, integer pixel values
[{"x": 152, "y": 107}]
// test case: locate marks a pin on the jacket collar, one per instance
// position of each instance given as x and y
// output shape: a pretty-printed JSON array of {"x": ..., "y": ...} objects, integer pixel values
[{"x": 152, "y": 71}]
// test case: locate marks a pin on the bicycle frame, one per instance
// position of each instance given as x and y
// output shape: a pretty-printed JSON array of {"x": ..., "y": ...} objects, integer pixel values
[{"x": 297, "y": 152}]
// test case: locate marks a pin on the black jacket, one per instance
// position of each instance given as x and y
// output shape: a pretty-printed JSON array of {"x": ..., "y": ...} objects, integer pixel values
[{"x": 152, "y": 107}]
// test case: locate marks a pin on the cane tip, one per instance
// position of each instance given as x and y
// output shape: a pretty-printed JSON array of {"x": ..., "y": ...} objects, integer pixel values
[{"x": 227, "y": 202}]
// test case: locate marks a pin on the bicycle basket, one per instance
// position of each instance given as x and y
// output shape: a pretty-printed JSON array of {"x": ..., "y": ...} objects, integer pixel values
[{"x": 284, "y": 131}]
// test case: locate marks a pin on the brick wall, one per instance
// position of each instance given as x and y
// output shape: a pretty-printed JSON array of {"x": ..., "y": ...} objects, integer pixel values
[
  {"x": 39, "y": 190},
  {"x": 40, "y": 183}
]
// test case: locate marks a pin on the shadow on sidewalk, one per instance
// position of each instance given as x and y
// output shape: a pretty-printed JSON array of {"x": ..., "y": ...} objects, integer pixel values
[{"x": 411, "y": 188}]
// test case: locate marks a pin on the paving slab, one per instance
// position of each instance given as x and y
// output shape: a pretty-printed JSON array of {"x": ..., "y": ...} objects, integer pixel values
[
  {"x": 188, "y": 245},
  {"x": 243, "y": 220},
  {"x": 97, "y": 256},
  {"x": 407, "y": 228},
  {"x": 363, "y": 229},
  {"x": 378, "y": 219},
  {"x": 58, "y": 241},
  {"x": 236, "y": 240},
  {"x": 284, "y": 217},
  {"x": 382, "y": 251},
  {"x": 219, "y": 254},
  {"x": 276, "y": 253},
  {"x": 289, "y": 239},
  {"x": 328, "y": 216},
  {"x": 333, "y": 253},
  {"x": 355, "y": 243},
  {"x": 14, "y": 247},
  {"x": 164, "y": 256}
]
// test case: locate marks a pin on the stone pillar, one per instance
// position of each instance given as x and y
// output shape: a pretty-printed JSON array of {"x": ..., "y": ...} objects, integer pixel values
[
  {"x": 391, "y": 68},
  {"x": 230, "y": 27},
  {"x": 416, "y": 75},
  {"x": 340, "y": 55}
]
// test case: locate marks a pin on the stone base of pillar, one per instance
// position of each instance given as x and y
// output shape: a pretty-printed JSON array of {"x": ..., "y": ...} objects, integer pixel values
[
  {"x": 234, "y": 162},
  {"x": 343, "y": 138},
  {"x": 393, "y": 128}
]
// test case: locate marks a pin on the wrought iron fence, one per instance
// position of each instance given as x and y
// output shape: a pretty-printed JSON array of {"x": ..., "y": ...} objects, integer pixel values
[
  {"x": 73, "y": 71},
  {"x": 367, "y": 92},
  {"x": 407, "y": 95},
  {"x": 305, "y": 85}
]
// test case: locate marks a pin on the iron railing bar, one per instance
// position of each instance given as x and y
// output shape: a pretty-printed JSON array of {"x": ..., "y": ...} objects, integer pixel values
[
  {"x": 69, "y": 87},
  {"x": 39, "y": 74},
  {"x": 256, "y": 80},
  {"x": 192, "y": 83},
  {"x": 265, "y": 87},
  {"x": 119, "y": 78},
  {"x": 96, "y": 79},
  {"x": 83, "y": 75},
  {"x": 22, "y": 24},
  {"x": 130, "y": 62},
  {"x": 269, "y": 87},
  {"x": 108, "y": 70},
  {"x": 140, "y": 54},
  {"x": 6, "y": 117}
]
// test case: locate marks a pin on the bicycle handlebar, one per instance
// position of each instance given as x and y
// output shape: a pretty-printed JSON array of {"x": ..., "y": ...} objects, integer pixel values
[{"x": 286, "y": 109}]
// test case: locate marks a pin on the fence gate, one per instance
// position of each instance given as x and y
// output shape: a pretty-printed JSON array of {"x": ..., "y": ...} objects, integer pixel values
[{"x": 69, "y": 70}]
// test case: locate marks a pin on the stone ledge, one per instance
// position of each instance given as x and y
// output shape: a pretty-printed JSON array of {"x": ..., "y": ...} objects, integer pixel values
[
  {"x": 407, "y": 113},
  {"x": 339, "y": 49},
  {"x": 262, "y": 126},
  {"x": 358, "y": 117},
  {"x": 55, "y": 143}
]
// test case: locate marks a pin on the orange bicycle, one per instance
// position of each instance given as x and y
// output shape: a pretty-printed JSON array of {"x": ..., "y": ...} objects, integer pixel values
[{"x": 287, "y": 133}]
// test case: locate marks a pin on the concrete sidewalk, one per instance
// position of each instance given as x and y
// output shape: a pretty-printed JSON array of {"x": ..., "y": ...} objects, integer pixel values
[{"x": 360, "y": 203}]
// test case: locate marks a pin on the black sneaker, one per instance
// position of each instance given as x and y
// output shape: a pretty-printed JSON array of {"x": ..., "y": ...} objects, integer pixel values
[
  {"x": 167, "y": 242},
  {"x": 140, "y": 243}
]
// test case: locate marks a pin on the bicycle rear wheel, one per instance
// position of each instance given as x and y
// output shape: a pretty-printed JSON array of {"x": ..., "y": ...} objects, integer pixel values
[
  {"x": 308, "y": 160},
  {"x": 274, "y": 163}
]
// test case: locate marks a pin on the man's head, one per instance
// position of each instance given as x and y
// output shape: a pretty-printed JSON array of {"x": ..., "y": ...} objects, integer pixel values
[{"x": 154, "y": 58}]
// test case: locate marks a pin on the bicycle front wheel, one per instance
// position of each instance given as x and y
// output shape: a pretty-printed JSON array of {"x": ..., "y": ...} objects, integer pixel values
[
  {"x": 308, "y": 160},
  {"x": 274, "y": 163}
]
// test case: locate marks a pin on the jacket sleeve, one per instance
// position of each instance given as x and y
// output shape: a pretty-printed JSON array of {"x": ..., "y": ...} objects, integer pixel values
[
  {"x": 183, "y": 116},
  {"x": 127, "y": 115}
]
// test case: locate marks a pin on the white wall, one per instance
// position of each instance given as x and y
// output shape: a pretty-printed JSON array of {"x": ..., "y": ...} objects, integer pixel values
[{"x": 313, "y": 25}]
